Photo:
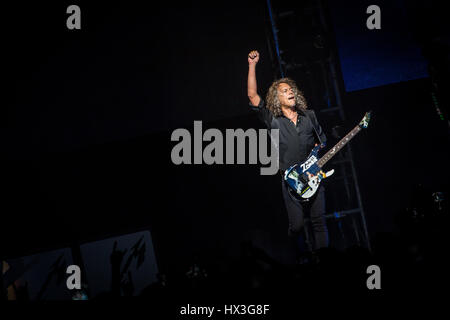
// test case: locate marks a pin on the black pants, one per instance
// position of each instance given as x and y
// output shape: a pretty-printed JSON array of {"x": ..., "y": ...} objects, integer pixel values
[{"x": 296, "y": 209}]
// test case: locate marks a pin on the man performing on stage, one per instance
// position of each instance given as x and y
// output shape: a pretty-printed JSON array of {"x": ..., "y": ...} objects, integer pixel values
[{"x": 285, "y": 109}]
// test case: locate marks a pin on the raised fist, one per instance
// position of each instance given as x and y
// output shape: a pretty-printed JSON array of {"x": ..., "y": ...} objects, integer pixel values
[{"x": 253, "y": 57}]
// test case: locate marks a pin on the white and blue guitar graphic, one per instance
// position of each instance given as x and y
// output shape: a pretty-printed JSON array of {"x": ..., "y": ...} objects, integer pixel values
[{"x": 304, "y": 178}]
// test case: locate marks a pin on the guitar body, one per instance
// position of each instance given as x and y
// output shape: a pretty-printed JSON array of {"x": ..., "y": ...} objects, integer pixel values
[{"x": 304, "y": 178}]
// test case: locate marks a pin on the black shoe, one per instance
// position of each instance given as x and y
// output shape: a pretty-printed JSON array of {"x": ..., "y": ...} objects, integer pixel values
[{"x": 315, "y": 259}]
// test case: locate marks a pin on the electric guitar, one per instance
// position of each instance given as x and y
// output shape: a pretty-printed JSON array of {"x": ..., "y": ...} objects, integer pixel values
[{"x": 304, "y": 178}]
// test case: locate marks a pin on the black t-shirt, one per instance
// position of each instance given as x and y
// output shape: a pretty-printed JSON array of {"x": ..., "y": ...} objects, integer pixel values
[{"x": 296, "y": 141}]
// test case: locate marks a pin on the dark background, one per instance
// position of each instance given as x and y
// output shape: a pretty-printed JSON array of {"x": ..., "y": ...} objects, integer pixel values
[
  {"x": 383, "y": 56},
  {"x": 86, "y": 136}
]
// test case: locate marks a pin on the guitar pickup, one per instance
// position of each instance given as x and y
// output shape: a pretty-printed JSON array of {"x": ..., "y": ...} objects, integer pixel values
[{"x": 304, "y": 179}]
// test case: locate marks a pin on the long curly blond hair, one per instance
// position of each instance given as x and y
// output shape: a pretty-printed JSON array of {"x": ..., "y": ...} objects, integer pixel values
[{"x": 273, "y": 103}]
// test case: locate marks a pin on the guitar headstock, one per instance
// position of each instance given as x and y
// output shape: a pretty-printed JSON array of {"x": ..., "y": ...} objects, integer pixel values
[{"x": 365, "y": 121}]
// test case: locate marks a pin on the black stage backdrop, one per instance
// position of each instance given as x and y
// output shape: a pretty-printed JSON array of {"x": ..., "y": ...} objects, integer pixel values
[{"x": 87, "y": 136}]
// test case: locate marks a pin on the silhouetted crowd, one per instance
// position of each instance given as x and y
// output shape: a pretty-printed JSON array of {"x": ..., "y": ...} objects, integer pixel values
[{"x": 413, "y": 257}]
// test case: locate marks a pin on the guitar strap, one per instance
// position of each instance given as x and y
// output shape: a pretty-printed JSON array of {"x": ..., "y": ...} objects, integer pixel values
[{"x": 314, "y": 127}]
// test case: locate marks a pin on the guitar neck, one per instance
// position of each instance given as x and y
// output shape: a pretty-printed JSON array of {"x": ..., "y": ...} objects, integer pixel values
[{"x": 330, "y": 154}]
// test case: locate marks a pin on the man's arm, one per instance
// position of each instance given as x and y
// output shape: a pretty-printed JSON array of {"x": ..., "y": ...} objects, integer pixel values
[{"x": 252, "y": 90}]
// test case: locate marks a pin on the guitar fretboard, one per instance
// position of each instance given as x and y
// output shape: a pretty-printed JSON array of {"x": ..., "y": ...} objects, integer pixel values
[{"x": 330, "y": 154}]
